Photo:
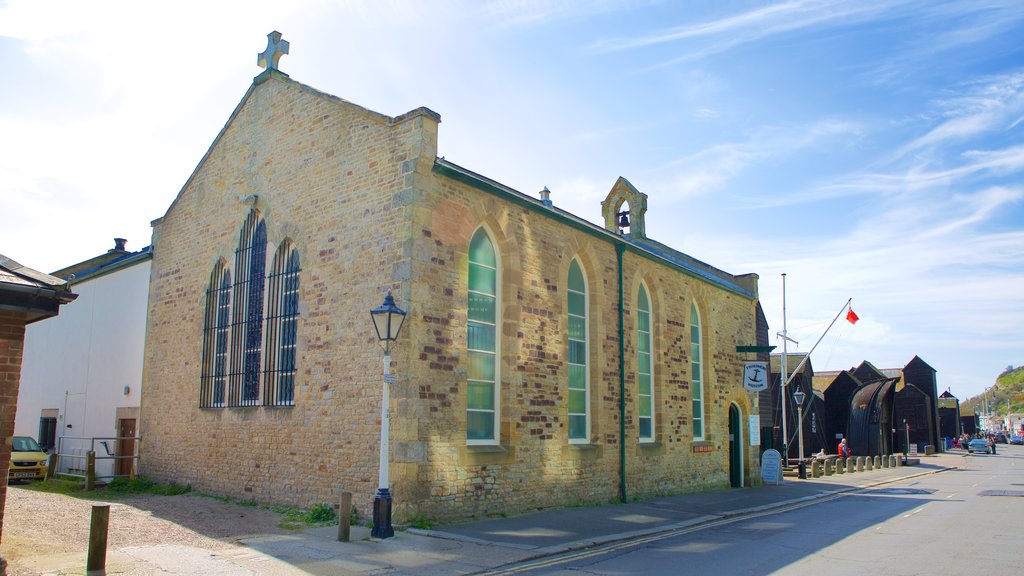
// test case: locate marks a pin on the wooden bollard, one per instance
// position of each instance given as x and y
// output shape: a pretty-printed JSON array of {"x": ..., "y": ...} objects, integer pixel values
[
  {"x": 899, "y": 461},
  {"x": 868, "y": 463},
  {"x": 816, "y": 469},
  {"x": 851, "y": 464},
  {"x": 96, "y": 563},
  {"x": 828, "y": 467},
  {"x": 90, "y": 470},
  {"x": 344, "y": 515},
  {"x": 860, "y": 463},
  {"x": 840, "y": 465},
  {"x": 878, "y": 462},
  {"x": 52, "y": 468}
]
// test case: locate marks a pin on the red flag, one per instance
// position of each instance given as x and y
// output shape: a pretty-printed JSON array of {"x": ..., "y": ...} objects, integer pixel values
[{"x": 852, "y": 317}]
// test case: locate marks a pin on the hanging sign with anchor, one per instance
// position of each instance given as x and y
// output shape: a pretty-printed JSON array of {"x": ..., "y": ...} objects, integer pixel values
[{"x": 755, "y": 376}]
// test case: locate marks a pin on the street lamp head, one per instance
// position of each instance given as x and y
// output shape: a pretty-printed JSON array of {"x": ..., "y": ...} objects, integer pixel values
[
  {"x": 798, "y": 397},
  {"x": 387, "y": 320}
]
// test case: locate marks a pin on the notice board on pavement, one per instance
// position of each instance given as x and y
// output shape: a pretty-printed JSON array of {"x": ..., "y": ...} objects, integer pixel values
[{"x": 771, "y": 467}]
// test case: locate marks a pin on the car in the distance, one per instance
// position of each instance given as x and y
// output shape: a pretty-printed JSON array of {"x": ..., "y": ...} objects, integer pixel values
[
  {"x": 978, "y": 445},
  {"x": 999, "y": 437},
  {"x": 1017, "y": 439},
  {"x": 28, "y": 461}
]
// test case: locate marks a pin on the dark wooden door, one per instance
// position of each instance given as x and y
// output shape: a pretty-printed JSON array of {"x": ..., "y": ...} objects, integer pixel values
[
  {"x": 125, "y": 446},
  {"x": 735, "y": 448}
]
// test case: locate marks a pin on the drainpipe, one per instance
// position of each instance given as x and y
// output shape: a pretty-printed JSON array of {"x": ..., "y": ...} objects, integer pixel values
[{"x": 619, "y": 249}]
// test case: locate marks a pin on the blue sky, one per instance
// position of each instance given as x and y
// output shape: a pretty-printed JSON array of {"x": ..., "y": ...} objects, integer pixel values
[{"x": 871, "y": 150}]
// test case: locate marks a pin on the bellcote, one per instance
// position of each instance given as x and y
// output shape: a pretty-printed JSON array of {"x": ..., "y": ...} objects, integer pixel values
[{"x": 623, "y": 210}]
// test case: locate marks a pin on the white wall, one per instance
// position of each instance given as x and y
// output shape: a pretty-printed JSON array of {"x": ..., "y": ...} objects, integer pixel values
[{"x": 80, "y": 361}]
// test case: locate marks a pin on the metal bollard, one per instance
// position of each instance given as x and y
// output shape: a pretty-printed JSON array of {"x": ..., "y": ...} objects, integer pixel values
[
  {"x": 344, "y": 515},
  {"x": 96, "y": 563}
]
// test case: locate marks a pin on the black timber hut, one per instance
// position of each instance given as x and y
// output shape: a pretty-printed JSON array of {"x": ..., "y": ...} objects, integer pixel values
[
  {"x": 838, "y": 396},
  {"x": 949, "y": 415},
  {"x": 814, "y": 433},
  {"x": 869, "y": 430},
  {"x": 969, "y": 421},
  {"x": 921, "y": 404}
]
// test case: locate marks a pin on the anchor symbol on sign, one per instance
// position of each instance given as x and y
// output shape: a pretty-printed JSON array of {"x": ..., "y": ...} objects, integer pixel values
[{"x": 757, "y": 373}]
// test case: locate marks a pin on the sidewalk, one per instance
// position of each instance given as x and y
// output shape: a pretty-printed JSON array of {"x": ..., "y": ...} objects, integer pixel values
[
  {"x": 481, "y": 545},
  {"x": 474, "y": 547},
  {"x": 554, "y": 531}
]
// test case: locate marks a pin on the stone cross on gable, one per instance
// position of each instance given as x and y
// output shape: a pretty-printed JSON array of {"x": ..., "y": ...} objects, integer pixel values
[{"x": 275, "y": 49}]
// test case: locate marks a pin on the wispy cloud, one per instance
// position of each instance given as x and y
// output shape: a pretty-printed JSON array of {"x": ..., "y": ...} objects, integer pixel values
[
  {"x": 707, "y": 170},
  {"x": 940, "y": 28},
  {"x": 989, "y": 104},
  {"x": 737, "y": 29},
  {"x": 974, "y": 163},
  {"x": 534, "y": 12}
]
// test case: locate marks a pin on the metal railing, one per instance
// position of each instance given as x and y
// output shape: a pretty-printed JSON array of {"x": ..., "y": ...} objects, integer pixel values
[{"x": 77, "y": 457}]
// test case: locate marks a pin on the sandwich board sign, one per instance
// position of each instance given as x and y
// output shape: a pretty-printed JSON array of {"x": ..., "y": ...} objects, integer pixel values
[{"x": 771, "y": 467}]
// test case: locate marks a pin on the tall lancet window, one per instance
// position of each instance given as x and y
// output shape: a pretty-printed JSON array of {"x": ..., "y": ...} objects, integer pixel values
[
  {"x": 215, "y": 338},
  {"x": 644, "y": 365},
  {"x": 482, "y": 342},
  {"x": 579, "y": 378},
  {"x": 282, "y": 327},
  {"x": 696, "y": 373},
  {"x": 247, "y": 312}
]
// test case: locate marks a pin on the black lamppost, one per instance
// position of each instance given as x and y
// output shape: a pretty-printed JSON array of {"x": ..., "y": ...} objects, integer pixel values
[{"x": 387, "y": 320}]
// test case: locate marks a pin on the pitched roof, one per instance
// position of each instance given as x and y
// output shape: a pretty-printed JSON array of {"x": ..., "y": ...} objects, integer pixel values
[
  {"x": 13, "y": 273},
  {"x": 34, "y": 293}
]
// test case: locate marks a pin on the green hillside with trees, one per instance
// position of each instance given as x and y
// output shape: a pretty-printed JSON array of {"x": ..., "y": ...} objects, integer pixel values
[{"x": 1009, "y": 386}]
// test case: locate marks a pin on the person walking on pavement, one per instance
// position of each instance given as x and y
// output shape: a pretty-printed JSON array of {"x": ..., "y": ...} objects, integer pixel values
[{"x": 844, "y": 449}]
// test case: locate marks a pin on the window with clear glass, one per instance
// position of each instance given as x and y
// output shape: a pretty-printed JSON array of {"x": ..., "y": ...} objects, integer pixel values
[
  {"x": 645, "y": 390},
  {"x": 481, "y": 342},
  {"x": 696, "y": 373},
  {"x": 579, "y": 389}
]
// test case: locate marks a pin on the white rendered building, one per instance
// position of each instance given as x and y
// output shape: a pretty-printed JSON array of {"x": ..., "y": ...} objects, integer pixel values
[{"x": 82, "y": 372}]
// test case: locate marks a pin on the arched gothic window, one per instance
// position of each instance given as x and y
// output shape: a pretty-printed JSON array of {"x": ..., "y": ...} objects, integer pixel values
[
  {"x": 215, "y": 338},
  {"x": 579, "y": 378},
  {"x": 696, "y": 373},
  {"x": 247, "y": 312},
  {"x": 644, "y": 366},
  {"x": 282, "y": 327},
  {"x": 482, "y": 342}
]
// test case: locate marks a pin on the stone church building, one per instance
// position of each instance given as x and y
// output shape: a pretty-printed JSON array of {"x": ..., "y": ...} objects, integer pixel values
[{"x": 544, "y": 361}]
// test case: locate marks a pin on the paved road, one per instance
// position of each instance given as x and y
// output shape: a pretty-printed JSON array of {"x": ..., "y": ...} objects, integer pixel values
[{"x": 965, "y": 521}]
